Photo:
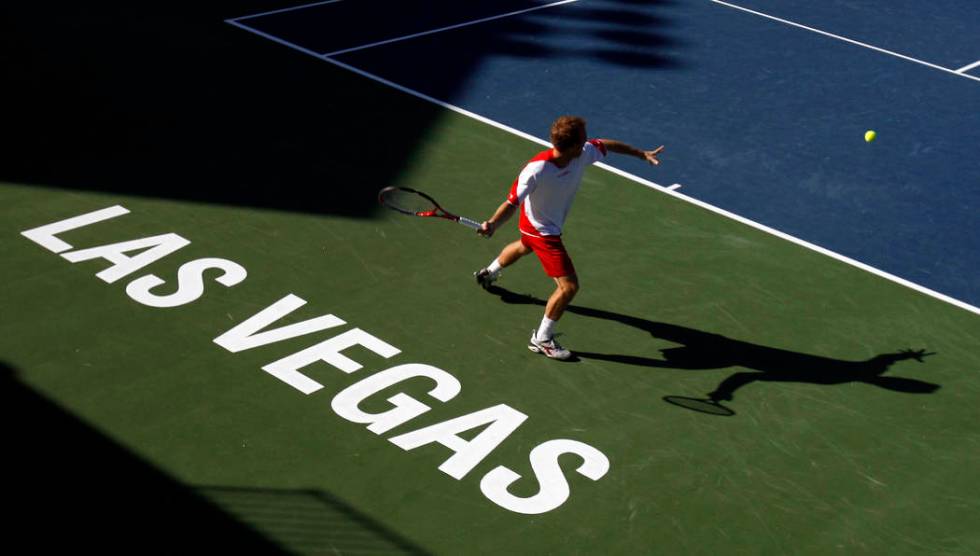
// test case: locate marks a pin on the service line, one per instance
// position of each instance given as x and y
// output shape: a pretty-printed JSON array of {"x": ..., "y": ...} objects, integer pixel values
[
  {"x": 968, "y": 67},
  {"x": 282, "y": 10},
  {"x": 852, "y": 41},
  {"x": 447, "y": 28}
]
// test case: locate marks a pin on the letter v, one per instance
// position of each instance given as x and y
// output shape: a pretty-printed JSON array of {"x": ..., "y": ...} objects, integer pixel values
[{"x": 246, "y": 335}]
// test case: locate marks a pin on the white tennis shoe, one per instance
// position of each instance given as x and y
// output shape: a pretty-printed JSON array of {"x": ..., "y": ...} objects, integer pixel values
[
  {"x": 549, "y": 348},
  {"x": 485, "y": 278}
]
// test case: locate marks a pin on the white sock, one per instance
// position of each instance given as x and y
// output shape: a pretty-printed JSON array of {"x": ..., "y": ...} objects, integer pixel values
[
  {"x": 494, "y": 267},
  {"x": 546, "y": 330}
]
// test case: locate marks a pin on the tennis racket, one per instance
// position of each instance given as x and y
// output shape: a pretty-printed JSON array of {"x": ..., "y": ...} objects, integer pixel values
[{"x": 415, "y": 203}]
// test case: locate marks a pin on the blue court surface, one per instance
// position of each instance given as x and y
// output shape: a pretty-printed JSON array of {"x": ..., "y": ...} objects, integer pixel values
[{"x": 762, "y": 105}]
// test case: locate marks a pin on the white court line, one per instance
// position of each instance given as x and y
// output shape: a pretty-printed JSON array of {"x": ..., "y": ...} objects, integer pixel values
[
  {"x": 674, "y": 187},
  {"x": 847, "y": 40},
  {"x": 272, "y": 38},
  {"x": 448, "y": 28},
  {"x": 282, "y": 10},
  {"x": 968, "y": 67},
  {"x": 617, "y": 171}
]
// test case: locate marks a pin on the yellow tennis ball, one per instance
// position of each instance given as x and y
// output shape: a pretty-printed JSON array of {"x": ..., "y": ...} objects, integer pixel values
[{"x": 870, "y": 135}]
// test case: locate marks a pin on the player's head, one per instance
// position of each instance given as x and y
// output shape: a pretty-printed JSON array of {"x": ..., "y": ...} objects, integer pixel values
[{"x": 568, "y": 134}]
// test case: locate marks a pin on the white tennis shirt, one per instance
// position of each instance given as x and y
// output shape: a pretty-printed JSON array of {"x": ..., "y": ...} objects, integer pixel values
[{"x": 544, "y": 192}]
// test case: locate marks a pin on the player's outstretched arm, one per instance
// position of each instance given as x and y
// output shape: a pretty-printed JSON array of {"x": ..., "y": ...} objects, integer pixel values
[{"x": 622, "y": 148}]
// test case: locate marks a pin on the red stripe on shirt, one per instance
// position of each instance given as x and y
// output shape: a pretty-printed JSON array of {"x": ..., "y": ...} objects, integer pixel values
[
  {"x": 512, "y": 196},
  {"x": 543, "y": 155}
]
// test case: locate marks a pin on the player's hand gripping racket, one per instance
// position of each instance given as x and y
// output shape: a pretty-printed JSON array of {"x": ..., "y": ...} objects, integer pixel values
[{"x": 415, "y": 203}]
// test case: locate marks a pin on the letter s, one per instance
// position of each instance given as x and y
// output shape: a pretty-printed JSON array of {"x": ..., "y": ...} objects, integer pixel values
[
  {"x": 190, "y": 282},
  {"x": 554, "y": 487}
]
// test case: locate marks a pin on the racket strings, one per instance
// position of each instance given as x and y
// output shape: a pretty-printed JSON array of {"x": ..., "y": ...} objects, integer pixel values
[{"x": 407, "y": 201}]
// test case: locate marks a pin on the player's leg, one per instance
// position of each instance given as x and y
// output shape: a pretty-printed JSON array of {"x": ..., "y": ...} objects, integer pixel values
[
  {"x": 567, "y": 287},
  {"x": 562, "y": 296},
  {"x": 508, "y": 256},
  {"x": 543, "y": 339},
  {"x": 558, "y": 265},
  {"x": 511, "y": 253}
]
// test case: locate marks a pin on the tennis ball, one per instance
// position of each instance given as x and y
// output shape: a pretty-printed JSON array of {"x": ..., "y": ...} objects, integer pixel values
[{"x": 870, "y": 135}]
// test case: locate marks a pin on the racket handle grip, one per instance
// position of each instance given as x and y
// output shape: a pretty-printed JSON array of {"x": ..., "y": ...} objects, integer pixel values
[{"x": 469, "y": 223}]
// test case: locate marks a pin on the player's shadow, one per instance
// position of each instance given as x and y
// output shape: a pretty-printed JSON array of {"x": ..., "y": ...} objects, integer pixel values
[{"x": 701, "y": 350}]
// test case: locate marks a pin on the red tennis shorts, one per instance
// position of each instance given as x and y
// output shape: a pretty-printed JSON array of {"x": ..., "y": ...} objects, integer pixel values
[{"x": 551, "y": 252}]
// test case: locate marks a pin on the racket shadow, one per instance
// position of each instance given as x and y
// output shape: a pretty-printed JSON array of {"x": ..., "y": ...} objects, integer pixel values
[
  {"x": 701, "y": 405},
  {"x": 700, "y": 350}
]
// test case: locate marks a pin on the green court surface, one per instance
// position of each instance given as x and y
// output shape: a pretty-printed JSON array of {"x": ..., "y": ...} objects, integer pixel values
[{"x": 838, "y": 443}]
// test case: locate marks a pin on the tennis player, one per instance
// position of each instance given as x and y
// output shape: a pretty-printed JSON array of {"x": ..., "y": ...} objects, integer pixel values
[{"x": 543, "y": 192}]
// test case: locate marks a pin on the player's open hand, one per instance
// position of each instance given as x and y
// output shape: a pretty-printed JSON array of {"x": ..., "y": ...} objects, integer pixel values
[{"x": 651, "y": 156}]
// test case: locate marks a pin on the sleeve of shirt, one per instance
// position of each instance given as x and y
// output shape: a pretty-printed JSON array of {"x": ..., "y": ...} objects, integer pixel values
[
  {"x": 525, "y": 183},
  {"x": 594, "y": 151}
]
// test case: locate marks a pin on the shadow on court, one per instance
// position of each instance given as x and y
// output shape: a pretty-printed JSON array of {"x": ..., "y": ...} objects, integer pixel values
[
  {"x": 703, "y": 350},
  {"x": 70, "y": 488},
  {"x": 166, "y": 100},
  {"x": 309, "y": 521}
]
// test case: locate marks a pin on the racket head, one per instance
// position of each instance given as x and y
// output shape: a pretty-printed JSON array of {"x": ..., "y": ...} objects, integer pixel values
[
  {"x": 701, "y": 405},
  {"x": 408, "y": 201}
]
